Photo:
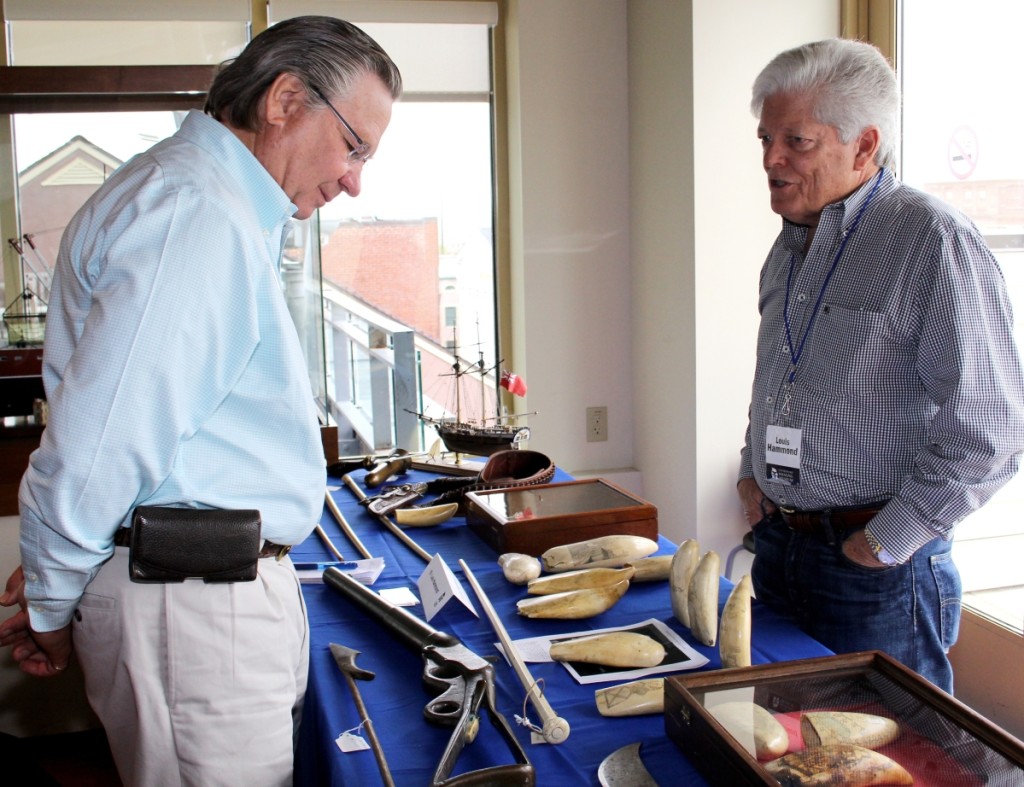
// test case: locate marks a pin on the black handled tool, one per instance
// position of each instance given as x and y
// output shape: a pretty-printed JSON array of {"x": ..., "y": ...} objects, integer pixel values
[{"x": 464, "y": 680}]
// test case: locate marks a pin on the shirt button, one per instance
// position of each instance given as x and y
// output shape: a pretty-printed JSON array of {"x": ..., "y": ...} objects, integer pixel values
[
  {"x": 769, "y": 399},
  {"x": 801, "y": 297},
  {"x": 32, "y": 577}
]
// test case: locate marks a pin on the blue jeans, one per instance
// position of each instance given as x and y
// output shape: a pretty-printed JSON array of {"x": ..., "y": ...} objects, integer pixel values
[{"x": 912, "y": 611}]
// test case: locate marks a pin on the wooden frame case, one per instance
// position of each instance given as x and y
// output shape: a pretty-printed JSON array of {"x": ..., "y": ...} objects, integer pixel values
[
  {"x": 940, "y": 740},
  {"x": 532, "y": 519}
]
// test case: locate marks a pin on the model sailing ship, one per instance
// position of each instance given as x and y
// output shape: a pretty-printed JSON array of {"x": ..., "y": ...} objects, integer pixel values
[{"x": 485, "y": 436}]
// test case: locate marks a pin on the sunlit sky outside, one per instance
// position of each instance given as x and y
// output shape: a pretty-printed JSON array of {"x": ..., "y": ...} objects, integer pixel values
[{"x": 423, "y": 167}]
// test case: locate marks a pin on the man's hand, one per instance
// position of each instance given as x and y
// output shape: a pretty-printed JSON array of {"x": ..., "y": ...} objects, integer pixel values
[
  {"x": 755, "y": 505},
  {"x": 857, "y": 550},
  {"x": 42, "y": 654}
]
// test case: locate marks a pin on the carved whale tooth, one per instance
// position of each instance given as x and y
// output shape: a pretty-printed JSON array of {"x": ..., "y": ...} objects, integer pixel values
[
  {"x": 612, "y": 649},
  {"x": 636, "y": 698},
  {"x": 611, "y": 551},
  {"x": 684, "y": 563},
  {"x": 579, "y": 580},
  {"x": 754, "y": 727},
  {"x": 839, "y": 763},
  {"x": 702, "y": 599},
  {"x": 518, "y": 568},
  {"x": 427, "y": 515},
  {"x": 861, "y": 729},
  {"x": 651, "y": 569},
  {"x": 573, "y": 604},
  {"x": 734, "y": 631}
]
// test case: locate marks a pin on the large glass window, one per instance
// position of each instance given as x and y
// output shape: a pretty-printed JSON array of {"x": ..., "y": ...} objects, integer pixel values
[{"x": 962, "y": 116}]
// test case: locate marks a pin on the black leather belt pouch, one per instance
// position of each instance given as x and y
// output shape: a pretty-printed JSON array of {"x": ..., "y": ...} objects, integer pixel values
[{"x": 174, "y": 544}]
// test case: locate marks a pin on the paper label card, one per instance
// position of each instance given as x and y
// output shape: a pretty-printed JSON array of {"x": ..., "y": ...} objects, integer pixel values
[{"x": 438, "y": 585}]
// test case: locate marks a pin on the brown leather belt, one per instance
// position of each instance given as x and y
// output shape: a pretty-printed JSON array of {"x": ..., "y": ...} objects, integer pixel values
[
  {"x": 122, "y": 538},
  {"x": 829, "y": 521}
]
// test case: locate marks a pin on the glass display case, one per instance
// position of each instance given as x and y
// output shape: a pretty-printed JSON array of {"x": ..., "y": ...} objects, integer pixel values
[{"x": 853, "y": 719}]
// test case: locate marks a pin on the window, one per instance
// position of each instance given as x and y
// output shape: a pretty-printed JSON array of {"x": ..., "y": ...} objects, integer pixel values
[
  {"x": 413, "y": 249},
  {"x": 961, "y": 121}
]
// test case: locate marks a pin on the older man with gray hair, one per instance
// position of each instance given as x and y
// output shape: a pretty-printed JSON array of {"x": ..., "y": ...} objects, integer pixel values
[{"x": 888, "y": 397}]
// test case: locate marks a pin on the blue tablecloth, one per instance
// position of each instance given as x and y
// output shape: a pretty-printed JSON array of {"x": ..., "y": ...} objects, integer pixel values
[{"x": 395, "y": 698}]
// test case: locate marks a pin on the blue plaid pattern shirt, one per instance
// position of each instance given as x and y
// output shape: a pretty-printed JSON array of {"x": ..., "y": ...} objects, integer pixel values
[
  {"x": 173, "y": 371},
  {"x": 909, "y": 387}
]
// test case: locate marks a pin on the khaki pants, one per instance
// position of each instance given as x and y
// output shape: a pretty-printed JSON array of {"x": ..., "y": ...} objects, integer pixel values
[{"x": 195, "y": 683}]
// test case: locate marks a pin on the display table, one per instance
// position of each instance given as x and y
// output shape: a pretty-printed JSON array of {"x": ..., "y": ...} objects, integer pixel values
[{"x": 395, "y": 699}]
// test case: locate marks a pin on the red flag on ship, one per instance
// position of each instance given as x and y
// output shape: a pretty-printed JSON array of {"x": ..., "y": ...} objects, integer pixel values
[{"x": 513, "y": 383}]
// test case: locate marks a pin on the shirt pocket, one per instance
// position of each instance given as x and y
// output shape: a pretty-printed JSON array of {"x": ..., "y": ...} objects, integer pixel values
[{"x": 852, "y": 352}]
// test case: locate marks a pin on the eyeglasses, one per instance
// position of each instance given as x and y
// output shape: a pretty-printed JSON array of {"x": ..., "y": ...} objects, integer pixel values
[{"x": 360, "y": 152}]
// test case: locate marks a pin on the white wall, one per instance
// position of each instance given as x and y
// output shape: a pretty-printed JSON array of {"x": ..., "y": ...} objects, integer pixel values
[{"x": 639, "y": 221}]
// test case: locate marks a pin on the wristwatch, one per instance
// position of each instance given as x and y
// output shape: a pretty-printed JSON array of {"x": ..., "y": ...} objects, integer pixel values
[{"x": 878, "y": 550}]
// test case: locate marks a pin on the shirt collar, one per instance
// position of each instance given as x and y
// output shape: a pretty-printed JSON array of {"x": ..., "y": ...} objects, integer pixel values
[
  {"x": 272, "y": 205},
  {"x": 795, "y": 235}
]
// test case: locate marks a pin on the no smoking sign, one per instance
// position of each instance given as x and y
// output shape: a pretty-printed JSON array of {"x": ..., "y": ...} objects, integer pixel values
[{"x": 963, "y": 152}]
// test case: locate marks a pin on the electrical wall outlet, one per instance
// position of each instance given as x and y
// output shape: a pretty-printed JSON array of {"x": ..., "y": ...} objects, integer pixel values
[{"x": 597, "y": 424}]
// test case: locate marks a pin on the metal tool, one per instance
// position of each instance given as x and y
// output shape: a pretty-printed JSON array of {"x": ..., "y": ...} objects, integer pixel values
[
  {"x": 328, "y": 543},
  {"x": 395, "y": 529},
  {"x": 345, "y": 658},
  {"x": 464, "y": 680},
  {"x": 624, "y": 768},
  {"x": 554, "y": 728},
  {"x": 346, "y": 528},
  {"x": 401, "y": 463}
]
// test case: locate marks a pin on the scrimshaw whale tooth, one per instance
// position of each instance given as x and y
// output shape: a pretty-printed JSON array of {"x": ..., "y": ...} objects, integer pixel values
[
  {"x": 734, "y": 632},
  {"x": 684, "y": 563},
  {"x": 839, "y": 763},
  {"x": 702, "y": 599},
  {"x": 612, "y": 551},
  {"x": 427, "y": 515},
  {"x": 635, "y": 698},
  {"x": 579, "y": 580},
  {"x": 860, "y": 729},
  {"x": 612, "y": 649},
  {"x": 573, "y": 604},
  {"x": 755, "y": 728},
  {"x": 517, "y": 567},
  {"x": 651, "y": 569}
]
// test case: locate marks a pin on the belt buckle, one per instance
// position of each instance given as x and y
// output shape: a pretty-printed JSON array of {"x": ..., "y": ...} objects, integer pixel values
[
  {"x": 283, "y": 549},
  {"x": 787, "y": 511}
]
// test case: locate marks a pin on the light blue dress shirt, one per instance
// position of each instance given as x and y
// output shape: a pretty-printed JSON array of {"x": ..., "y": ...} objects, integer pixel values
[{"x": 173, "y": 372}]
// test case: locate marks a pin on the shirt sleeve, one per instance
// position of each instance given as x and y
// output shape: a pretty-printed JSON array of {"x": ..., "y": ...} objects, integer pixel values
[
  {"x": 970, "y": 367},
  {"x": 156, "y": 322}
]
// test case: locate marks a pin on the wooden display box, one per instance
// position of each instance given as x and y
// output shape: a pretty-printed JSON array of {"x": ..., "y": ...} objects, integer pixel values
[
  {"x": 940, "y": 740},
  {"x": 532, "y": 519}
]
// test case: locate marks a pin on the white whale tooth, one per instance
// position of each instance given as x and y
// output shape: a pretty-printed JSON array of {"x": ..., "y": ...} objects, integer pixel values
[
  {"x": 702, "y": 599},
  {"x": 613, "y": 649},
  {"x": 734, "y": 631},
  {"x": 579, "y": 580},
  {"x": 573, "y": 604},
  {"x": 684, "y": 563},
  {"x": 612, "y": 551},
  {"x": 518, "y": 568}
]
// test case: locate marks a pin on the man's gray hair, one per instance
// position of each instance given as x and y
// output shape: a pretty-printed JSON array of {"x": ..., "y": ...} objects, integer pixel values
[
  {"x": 851, "y": 84},
  {"x": 327, "y": 54}
]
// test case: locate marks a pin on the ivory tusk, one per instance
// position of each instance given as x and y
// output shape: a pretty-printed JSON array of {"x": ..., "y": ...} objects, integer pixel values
[
  {"x": 573, "y": 604},
  {"x": 579, "y": 580},
  {"x": 702, "y": 599},
  {"x": 427, "y": 515},
  {"x": 651, "y": 569},
  {"x": 635, "y": 698},
  {"x": 734, "y": 634},
  {"x": 611, "y": 551},
  {"x": 613, "y": 649},
  {"x": 684, "y": 563}
]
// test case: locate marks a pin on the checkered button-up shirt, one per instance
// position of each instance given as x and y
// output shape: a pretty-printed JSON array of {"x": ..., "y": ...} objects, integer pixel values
[{"x": 908, "y": 386}]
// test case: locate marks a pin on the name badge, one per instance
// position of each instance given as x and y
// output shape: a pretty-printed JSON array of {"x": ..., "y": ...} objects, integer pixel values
[{"x": 782, "y": 455}]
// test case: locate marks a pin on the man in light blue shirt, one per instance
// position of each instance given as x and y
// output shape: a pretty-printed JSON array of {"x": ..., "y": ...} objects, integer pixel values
[{"x": 174, "y": 376}]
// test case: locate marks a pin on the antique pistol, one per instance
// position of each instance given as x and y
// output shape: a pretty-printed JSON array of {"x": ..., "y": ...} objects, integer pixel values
[{"x": 464, "y": 680}]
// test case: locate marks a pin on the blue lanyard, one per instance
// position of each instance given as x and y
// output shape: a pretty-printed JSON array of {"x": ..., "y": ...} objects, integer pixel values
[{"x": 794, "y": 356}]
